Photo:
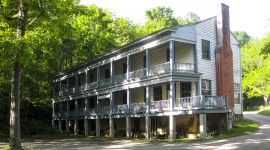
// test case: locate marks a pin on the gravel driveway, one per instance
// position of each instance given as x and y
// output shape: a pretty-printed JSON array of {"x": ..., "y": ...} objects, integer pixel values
[{"x": 258, "y": 140}]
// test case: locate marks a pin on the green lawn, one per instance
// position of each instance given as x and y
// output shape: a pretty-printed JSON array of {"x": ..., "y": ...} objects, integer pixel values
[{"x": 264, "y": 111}]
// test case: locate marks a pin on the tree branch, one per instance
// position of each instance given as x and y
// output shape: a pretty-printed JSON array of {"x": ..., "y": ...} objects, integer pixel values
[{"x": 42, "y": 12}]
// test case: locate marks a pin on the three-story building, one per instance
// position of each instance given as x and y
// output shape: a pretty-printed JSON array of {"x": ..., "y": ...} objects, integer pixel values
[{"x": 177, "y": 82}]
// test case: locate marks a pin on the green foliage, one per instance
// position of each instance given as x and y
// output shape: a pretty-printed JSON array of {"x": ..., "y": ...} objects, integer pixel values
[
  {"x": 242, "y": 37},
  {"x": 162, "y": 17},
  {"x": 264, "y": 111},
  {"x": 256, "y": 69}
]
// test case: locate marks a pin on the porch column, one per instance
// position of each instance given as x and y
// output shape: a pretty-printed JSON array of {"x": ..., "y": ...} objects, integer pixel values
[
  {"x": 128, "y": 127},
  {"x": 112, "y": 71},
  {"x": 111, "y": 102},
  {"x": 60, "y": 126},
  {"x": 67, "y": 126},
  {"x": 111, "y": 127},
  {"x": 147, "y": 61},
  {"x": 202, "y": 118},
  {"x": 76, "y": 104},
  {"x": 229, "y": 118},
  {"x": 148, "y": 99},
  {"x": 148, "y": 127},
  {"x": 77, "y": 82},
  {"x": 171, "y": 55},
  {"x": 128, "y": 67},
  {"x": 98, "y": 75},
  {"x": 97, "y": 127},
  {"x": 86, "y": 108},
  {"x": 172, "y": 95},
  {"x": 128, "y": 100},
  {"x": 172, "y": 127},
  {"x": 86, "y": 126},
  {"x": 76, "y": 127},
  {"x": 86, "y": 77},
  {"x": 53, "y": 123},
  {"x": 68, "y": 108}
]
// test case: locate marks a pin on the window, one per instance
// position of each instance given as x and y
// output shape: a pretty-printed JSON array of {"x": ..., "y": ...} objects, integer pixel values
[
  {"x": 206, "y": 87},
  {"x": 236, "y": 93},
  {"x": 158, "y": 93},
  {"x": 205, "y": 49},
  {"x": 185, "y": 89}
]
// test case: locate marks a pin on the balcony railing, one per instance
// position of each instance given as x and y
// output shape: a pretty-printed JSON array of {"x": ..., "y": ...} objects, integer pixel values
[
  {"x": 104, "y": 110},
  {"x": 104, "y": 82},
  {"x": 137, "y": 108},
  {"x": 120, "y": 109},
  {"x": 185, "y": 103},
  {"x": 186, "y": 67},
  {"x": 91, "y": 85},
  {"x": 201, "y": 102},
  {"x": 91, "y": 112},
  {"x": 153, "y": 70},
  {"x": 119, "y": 78},
  {"x": 137, "y": 74},
  {"x": 162, "y": 105},
  {"x": 159, "y": 69}
]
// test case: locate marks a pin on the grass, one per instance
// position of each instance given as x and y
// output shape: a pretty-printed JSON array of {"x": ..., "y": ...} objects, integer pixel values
[
  {"x": 242, "y": 127},
  {"x": 264, "y": 111}
]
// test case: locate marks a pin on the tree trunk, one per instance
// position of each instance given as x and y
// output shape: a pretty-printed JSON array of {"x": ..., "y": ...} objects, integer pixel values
[
  {"x": 15, "y": 136},
  {"x": 15, "y": 133},
  {"x": 266, "y": 100}
]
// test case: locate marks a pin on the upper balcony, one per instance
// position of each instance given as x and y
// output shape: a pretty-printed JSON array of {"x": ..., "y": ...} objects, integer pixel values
[{"x": 146, "y": 64}]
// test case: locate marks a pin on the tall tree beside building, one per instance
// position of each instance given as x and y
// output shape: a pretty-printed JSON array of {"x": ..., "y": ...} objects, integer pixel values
[
  {"x": 256, "y": 68},
  {"x": 19, "y": 29}
]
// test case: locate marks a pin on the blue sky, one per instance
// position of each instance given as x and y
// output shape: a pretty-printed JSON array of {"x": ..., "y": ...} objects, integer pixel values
[{"x": 245, "y": 15}]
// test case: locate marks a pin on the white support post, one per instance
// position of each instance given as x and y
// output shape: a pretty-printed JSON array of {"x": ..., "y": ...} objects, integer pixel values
[
  {"x": 97, "y": 127},
  {"x": 111, "y": 127},
  {"x": 111, "y": 102},
  {"x": 128, "y": 127},
  {"x": 172, "y": 95},
  {"x": 77, "y": 82},
  {"x": 67, "y": 126},
  {"x": 172, "y": 127},
  {"x": 148, "y": 99},
  {"x": 128, "y": 100},
  {"x": 147, "y": 61},
  {"x": 128, "y": 67},
  {"x": 75, "y": 126},
  {"x": 60, "y": 126},
  {"x": 98, "y": 75},
  {"x": 202, "y": 120},
  {"x": 86, "y": 106},
  {"x": 112, "y": 72},
  {"x": 86, "y": 131},
  {"x": 86, "y": 77},
  {"x": 171, "y": 55},
  {"x": 148, "y": 127}
]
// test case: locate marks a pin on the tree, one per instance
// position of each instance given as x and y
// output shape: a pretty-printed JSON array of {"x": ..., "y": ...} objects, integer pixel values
[
  {"x": 162, "y": 17},
  {"x": 256, "y": 69},
  {"x": 20, "y": 18},
  {"x": 242, "y": 37}
]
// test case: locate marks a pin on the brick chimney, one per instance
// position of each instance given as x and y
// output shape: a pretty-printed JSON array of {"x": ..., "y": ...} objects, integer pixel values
[{"x": 224, "y": 58}]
